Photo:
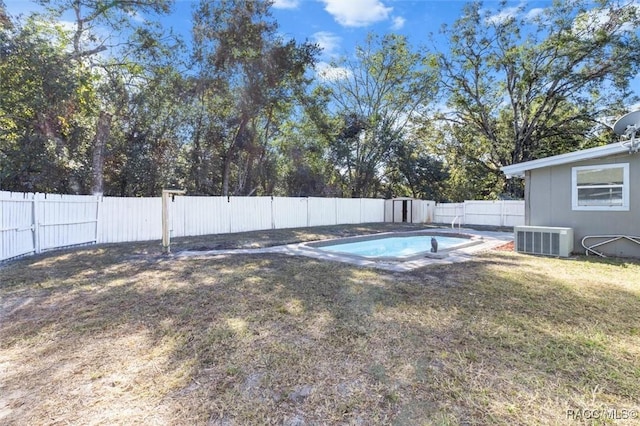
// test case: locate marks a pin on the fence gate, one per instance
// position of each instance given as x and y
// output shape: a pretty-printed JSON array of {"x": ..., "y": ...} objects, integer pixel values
[
  {"x": 65, "y": 220},
  {"x": 31, "y": 223},
  {"x": 17, "y": 231}
]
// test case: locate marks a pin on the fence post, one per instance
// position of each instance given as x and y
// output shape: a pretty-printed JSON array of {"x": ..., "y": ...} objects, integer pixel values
[
  {"x": 464, "y": 212},
  {"x": 36, "y": 223},
  {"x": 273, "y": 216},
  {"x": 229, "y": 215},
  {"x": 98, "y": 218},
  {"x": 166, "y": 232}
]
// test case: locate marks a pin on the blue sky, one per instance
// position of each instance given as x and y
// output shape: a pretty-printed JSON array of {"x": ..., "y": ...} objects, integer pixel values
[{"x": 337, "y": 25}]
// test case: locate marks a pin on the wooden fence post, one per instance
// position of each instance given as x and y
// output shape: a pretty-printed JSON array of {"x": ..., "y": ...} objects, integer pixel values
[{"x": 166, "y": 231}]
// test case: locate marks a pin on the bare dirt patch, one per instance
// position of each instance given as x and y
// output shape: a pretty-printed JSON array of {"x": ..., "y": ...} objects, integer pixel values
[{"x": 506, "y": 247}]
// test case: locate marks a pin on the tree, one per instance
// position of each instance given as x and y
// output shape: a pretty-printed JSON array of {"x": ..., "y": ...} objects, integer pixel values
[
  {"x": 5, "y": 21},
  {"x": 523, "y": 86},
  {"x": 415, "y": 172},
  {"x": 376, "y": 97},
  {"x": 146, "y": 146},
  {"x": 63, "y": 90},
  {"x": 248, "y": 78},
  {"x": 305, "y": 165},
  {"x": 92, "y": 50},
  {"x": 302, "y": 164},
  {"x": 116, "y": 16},
  {"x": 44, "y": 113}
]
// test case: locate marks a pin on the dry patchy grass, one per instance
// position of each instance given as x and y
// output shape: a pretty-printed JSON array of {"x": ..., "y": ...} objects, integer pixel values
[{"x": 119, "y": 335}]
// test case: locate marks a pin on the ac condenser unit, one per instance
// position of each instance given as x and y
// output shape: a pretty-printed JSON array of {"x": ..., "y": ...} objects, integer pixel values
[{"x": 549, "y": 241}]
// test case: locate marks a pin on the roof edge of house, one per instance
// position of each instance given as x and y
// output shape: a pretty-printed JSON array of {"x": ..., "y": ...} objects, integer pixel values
[{"x": 570, "y": 157}]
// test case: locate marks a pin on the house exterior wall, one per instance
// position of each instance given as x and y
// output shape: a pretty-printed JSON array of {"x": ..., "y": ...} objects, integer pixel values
[{"x": 548, "y": 200}]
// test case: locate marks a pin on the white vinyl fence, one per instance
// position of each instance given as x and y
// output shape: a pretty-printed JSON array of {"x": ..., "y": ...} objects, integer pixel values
[
  {"x": 32, "y": 223},
  {"x": 505, "y": 213},
  {"x": 129, "y": 219}
]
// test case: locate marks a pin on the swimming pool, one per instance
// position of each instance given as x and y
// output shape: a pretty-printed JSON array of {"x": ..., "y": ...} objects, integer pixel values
[
  {"x": 396, "y": 247},
  {"x": 476, "y": 241}
]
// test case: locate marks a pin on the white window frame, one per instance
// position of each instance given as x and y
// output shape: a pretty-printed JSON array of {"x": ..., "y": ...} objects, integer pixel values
[{"x": 625, "y": 187}]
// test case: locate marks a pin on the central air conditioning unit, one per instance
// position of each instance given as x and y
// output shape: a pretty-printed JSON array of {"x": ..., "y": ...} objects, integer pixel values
[{"x": 545, "y": 240}]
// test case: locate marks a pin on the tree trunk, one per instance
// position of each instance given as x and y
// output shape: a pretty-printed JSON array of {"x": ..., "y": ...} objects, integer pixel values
[
  {"x": 226, "y": 173},
  {"x": 102, "y": 134}
]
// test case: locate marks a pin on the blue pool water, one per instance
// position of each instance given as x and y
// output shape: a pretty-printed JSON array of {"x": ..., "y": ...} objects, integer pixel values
[{"x": 395, "y": 246}]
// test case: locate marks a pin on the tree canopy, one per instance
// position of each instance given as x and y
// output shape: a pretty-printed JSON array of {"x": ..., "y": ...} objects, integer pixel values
[
  {"x": 381, "y": 93},
  {"x": 523, "y": 87},
  {"x": 249, "y": 78},
  {"x": 115, "y": 103}
]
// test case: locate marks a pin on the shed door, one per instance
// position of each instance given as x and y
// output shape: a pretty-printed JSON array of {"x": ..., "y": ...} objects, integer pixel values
[
  {"x": 397, "y": 210},
  {"x": 402, "y": 210}
]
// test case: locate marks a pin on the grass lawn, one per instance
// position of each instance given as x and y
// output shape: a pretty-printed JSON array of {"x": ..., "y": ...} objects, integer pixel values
[{"x": 119, "y": 334}]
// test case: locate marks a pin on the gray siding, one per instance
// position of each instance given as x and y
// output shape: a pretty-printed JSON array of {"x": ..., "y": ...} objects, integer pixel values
[{"x": 549, "y": 204}]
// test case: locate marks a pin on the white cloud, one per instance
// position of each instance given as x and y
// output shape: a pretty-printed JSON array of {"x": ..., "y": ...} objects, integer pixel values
[
  {"x": 398, "y": 22},
  {"x": 328, "y": 42},
  {"x": 286, "y": 4},
  {"x": 327, "y": 72},
  {"x": 587, "y": 23},
  {"x": 58, "y": 32},
  {"x": 504, "y": 15},
  {"x": 136, "y": 16},
  {"x": 357, "y": 13},
  {"x": 514, "y": 12},
  {"x": 67, "y": 26},
  {"x": 534, "y": 13}
]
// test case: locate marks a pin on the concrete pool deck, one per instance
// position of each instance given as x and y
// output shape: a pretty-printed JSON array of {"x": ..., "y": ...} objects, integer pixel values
[{"x": 490, "y": 240}]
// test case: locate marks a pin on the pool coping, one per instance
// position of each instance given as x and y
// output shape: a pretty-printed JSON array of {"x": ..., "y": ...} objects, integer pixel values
[{"x": 490, "y": 240}]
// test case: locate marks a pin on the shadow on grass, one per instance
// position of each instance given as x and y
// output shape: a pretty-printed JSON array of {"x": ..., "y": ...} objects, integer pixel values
[{"x": 269, "y": 338}]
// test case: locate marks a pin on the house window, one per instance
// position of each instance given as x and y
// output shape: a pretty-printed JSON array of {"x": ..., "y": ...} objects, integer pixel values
[{"x": 601, "y": 187}]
